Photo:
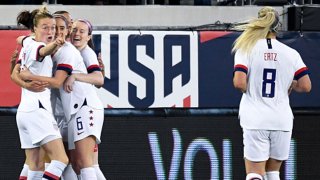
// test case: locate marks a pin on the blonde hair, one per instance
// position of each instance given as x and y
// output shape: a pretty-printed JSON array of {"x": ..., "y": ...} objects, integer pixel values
[
  {"x": 42, "y": 13},
  {"x": 259, "y": 28}
]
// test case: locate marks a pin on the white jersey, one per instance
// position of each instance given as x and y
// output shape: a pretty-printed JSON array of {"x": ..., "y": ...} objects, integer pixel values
[
  {"x": 69, "y": 59},
  {"x": 29, "y": 57},
  {"x": 271, "y": 67},
  {"x": 90, "y": 59}
]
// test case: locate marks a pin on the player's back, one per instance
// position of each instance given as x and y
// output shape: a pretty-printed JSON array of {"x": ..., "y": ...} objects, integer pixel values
[{"x": 271, "y": 69}]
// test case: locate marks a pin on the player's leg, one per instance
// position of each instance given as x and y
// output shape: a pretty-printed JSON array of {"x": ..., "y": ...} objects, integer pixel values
[
  {"x": 87, "y": 126},
  {"x": 254, "y": 170},
  {"x": 279, "y": 151},
  {"x": 59, "y": 160},
  {"x": 36, "y": 164},
  {"x": 96, "y": 166},
  {"x": 25, "y": 123},
  {"x": 51, "y": 142},
  {"x": 256, "y": 152},
  {"x": 68, "y": 173},
  {"x": 273, "y": 168},
  {"x": 25, "y": 168},
  {"x": 84, "y": 155}
]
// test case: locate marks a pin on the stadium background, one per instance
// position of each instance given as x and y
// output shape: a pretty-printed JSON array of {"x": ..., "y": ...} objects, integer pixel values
[{"x": 196, "y": 135}]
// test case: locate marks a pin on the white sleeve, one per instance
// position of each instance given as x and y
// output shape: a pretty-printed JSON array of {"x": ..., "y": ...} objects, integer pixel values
[
  {"x": 65, "y": 60},
  {"x": 31, "y": 53},
  {"x": 240, "y": 62},
  {"x": 26, "y": 41},
  {"x": 300, "y": 68},
  {"x": 90, "y": 60}
]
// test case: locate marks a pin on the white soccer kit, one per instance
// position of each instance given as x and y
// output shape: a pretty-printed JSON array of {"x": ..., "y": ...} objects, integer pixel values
[
  {"x": 270, "y": 67},
  {"x": 35, "y": 120},
  {"x": 69, "y": 59}
]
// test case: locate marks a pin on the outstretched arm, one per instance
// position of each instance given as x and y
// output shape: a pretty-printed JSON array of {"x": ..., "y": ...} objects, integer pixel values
[
  {"x": 49, "y": 48},
  {"x": 52, "y": 47}
]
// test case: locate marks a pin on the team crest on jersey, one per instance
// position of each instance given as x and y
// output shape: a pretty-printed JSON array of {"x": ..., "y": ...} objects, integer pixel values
[{"x": 149, "y": 69}]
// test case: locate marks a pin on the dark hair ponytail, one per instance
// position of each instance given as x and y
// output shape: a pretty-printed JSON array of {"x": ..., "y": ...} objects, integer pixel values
[{"x": 25, "y": 18}]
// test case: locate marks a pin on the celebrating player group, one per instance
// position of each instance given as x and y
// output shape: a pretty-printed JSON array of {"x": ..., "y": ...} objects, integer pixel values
[{"x": 58, "y": 72}]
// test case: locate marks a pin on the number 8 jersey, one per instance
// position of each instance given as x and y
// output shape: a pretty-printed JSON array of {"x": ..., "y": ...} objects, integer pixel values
[{"x": 271, "y": 66}]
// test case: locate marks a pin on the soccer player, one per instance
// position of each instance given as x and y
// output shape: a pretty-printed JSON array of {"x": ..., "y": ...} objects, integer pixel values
[
  {"x": 81, "y": 38},
  {"x": 266, "y": 70},
  {"x": 94, "y": 77},
  {"x": 37, "y": 127}
]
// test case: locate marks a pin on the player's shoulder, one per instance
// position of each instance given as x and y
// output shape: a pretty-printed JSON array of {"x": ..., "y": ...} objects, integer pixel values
[
  {"x": 285, "y": 48},
  {"x": 69, "y": 47},
  {"x": 87, "y": 52}
]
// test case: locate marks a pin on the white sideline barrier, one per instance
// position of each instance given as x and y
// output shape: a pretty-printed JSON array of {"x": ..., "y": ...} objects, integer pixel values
[{"x": 146, "y": 15}]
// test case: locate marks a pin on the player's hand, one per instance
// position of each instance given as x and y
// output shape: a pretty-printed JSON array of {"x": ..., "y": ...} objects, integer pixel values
[
  {"x": 13, "y": 59},
  {"x": 14, "y": 56},
  {"x": 101, "y": 65},
  {"x": 36, "y": 86},
  {"x": 60, "y": 40},
  {"x": 68, "y": 83},
  {"x": 25, "y": 74}
]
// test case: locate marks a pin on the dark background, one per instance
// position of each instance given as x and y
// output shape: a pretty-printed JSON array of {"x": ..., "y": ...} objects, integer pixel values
[{"x": 125, "y": 150}]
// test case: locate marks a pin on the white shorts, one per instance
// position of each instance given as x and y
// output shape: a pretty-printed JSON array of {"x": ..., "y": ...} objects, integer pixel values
[
  {"x": 36, "y": 128},
  {"x": 86, "y": 122},
  {"x": 260, "y": 145}
]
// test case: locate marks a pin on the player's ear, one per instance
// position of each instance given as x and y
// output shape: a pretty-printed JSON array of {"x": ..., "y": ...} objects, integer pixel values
[{"x": 89, "y": 38}]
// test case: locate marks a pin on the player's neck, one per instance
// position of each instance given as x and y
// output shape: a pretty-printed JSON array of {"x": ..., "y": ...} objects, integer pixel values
[{"x": 271, "y": 35}]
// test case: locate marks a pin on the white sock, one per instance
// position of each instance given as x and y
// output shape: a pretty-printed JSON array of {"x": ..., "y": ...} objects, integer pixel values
[
  {"x": 35, "y": 175},
  {"x": 69, "y": 174},
  {"x": 273, "y": 175},
  {"x": 88, "y": 173},
  {"x": 24, "y": 172},
  {"x": 254, "y": 176},
  {"x": 54, "y": 170},
  {"x": 99, "y": 173}
]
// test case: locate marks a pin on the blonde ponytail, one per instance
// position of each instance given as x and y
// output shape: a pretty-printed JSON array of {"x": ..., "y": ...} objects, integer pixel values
[{"x": 256, "y": 29}]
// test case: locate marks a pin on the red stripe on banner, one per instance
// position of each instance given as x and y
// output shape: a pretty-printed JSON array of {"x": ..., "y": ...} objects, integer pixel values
[
  {"x": 210, "y": 35},
  {"x": 10, "y": 93},
  {"x": 187, "y": 102}
]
